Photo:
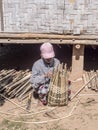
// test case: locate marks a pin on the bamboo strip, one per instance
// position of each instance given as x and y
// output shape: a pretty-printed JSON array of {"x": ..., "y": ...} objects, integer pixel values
[
  {"x": 83, "y": 87},
  {"x": 12, "y": 72},
  {"x": 26, "y": 77},
  {"x": 27, "y": 88},
  {"x": 24, "y": 85}
]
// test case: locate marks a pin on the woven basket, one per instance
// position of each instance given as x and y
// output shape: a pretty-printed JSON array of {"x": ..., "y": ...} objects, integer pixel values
[{"x": 58, "y": 89}]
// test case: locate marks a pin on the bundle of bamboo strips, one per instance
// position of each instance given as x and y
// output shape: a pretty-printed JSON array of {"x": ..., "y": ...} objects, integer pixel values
[
  {"x": 15, "y": 83},
  {"x": 94, "y": 82},
  {"x": 58, "y": 89}
]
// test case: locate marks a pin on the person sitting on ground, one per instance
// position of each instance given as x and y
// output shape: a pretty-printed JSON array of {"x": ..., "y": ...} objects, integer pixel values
[{"x": 42, "y": 71}]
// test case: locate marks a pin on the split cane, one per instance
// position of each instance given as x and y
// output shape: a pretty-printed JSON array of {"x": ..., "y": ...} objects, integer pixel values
[{"x": 83, "y": 87}]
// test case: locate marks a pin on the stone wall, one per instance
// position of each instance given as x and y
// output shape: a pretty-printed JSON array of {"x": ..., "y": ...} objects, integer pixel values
[{"x": 51, "y": 16}]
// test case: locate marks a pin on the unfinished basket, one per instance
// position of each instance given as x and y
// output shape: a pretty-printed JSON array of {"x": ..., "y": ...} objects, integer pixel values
[{"x": 58, "y": 89}]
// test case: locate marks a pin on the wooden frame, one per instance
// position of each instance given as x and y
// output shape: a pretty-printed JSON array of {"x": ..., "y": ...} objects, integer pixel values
[{"x": 31, "y": 38}]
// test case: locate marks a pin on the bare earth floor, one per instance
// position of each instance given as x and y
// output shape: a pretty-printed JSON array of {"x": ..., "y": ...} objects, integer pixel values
[{"x": 80, "y": 114}]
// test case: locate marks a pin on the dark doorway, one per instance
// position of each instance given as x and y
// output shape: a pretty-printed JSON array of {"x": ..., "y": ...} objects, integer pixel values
[
  {"x": 64, "y": 54},
  {"x": 91, "y": 58}
]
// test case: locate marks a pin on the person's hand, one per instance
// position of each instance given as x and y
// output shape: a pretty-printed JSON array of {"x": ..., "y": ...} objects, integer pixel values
[{"x": 48, "y": 75}]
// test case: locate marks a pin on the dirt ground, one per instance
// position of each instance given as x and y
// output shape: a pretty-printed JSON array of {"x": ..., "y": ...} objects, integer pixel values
[{"x": 80, "y": 114}]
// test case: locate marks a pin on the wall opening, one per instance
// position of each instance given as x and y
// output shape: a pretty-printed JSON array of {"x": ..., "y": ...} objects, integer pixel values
[
  {"x": 91, "y": 58},
  {"x": 22, "y": 57}
]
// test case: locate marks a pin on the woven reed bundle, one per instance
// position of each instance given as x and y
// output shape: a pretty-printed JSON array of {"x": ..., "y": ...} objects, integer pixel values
[
  {"x": 58, "y": 89},
  {"x": 93, "y": 84}
]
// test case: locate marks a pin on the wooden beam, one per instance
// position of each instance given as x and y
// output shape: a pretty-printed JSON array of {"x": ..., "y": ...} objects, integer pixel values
[
  {"x": 47, "y": 36},
  {"x": 31, "y": 38},
  {"x": 53, "y": 41}
]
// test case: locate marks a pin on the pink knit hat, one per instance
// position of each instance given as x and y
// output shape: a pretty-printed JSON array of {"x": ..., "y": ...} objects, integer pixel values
[{"x": 47, "y": 50}]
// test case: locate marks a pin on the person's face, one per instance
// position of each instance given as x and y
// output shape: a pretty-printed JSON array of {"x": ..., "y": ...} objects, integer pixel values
[{"x": 48, "y": 60}]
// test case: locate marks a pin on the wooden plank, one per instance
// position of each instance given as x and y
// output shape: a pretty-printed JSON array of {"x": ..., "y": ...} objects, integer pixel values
[
  {"x": 53, "y": 41},
  {"x": 31, "y": 38},
  {"x": 47, "y": 36}
]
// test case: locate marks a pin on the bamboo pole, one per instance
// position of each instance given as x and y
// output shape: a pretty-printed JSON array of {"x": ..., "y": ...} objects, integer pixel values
[
  {"x": 23, "y": 86},
  {"x": 26, "y": 94},
  {"x": 14, "y": 103},
  {"x": 22, "y": 90},
  {"x": 83, "y": 87},
  {"x": 10, "y": 84},
  {"x": 11, "y": 73},
  {"x": 26, "y": 90},
  {"x": 18, "y": 82},
  {"x": 14, "y": 90},
  {"x": 87, "y": 78},
  {"x": 84, "y": 78},
  {"x": 96, "y": 80},
  {"x": 19, "y": 86}
]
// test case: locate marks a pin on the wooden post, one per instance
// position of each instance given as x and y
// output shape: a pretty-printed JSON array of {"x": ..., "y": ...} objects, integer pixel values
[{"x": 77, "y": 61}]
